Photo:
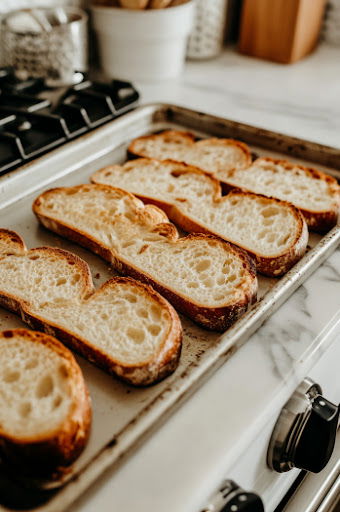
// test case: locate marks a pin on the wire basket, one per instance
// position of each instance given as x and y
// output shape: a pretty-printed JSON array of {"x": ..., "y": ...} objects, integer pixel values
[
  {"x": 331, "y": 25},
  {"x": 11, "y": 5},
  {"x": 206, "y": 39},
  {"x": 56, "y": 54}
]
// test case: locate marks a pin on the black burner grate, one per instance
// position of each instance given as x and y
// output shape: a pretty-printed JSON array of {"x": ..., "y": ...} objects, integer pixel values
[{"x": 31, "y": 126}]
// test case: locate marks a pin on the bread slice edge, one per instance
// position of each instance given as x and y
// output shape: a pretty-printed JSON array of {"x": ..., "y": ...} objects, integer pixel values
[
  {"x": 46, "y": 454},
  {"x": 144, "y": 374},
  {"x": 319, "y": 221},
  {"x": 190, "y": 140},
  {"x": 213, "y": 318},
  {"x": 272, "y": 266}
]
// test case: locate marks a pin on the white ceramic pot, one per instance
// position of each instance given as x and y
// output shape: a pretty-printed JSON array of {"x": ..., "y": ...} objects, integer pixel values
[{"x": 143, "y": 44}]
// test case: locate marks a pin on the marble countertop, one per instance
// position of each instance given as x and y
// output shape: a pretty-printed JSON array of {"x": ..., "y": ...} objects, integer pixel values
[
  {"x": 301, "y": 99},
  {"x": 183, "y": 461}
]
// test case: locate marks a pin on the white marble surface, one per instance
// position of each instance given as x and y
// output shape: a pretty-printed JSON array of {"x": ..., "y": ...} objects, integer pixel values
[
  {"x": 200, "y": 444},
  {"x": 300, "y": 99}
]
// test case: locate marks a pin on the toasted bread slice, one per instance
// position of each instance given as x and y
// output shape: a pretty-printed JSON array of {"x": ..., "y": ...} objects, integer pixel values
[
  {"x": 124, "y": 327},
  {"x": 207, "y": 279},
  {"x": 10, "y": 243},
  {"x": 45, "y": 409},
  {"x": 273, "y": 232},
  {"x": 315, "y": 193},
  {"x": 214, "y": 156}
]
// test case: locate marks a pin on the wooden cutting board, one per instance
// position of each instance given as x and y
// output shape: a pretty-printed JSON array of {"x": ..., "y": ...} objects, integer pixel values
[{"x": 280, "y": 30}]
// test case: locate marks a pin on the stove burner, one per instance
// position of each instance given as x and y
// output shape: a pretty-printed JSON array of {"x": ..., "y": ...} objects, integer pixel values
[{"x": 30, "y": 126}]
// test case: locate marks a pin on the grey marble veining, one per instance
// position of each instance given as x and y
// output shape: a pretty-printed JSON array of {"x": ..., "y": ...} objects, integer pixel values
[{"x": 293, "y": 333}]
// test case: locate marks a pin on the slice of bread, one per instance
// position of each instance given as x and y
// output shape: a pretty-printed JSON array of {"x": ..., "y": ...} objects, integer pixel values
[
  {"x": 214, "y": 156},
  {"x": 273, "y": 232},
  {"x": 315, "y": 193},
  {"x": 207, "y": 279},
  {"x": 45, "y": 409},
  {"x": 124, "y": 327}
]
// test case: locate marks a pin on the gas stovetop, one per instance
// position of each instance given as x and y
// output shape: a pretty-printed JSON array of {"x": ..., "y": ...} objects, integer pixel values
[{"x": 30, "y": 124}]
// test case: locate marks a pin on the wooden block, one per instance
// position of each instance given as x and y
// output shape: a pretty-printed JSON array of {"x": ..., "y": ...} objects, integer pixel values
[{"x": 280, "y": 30}]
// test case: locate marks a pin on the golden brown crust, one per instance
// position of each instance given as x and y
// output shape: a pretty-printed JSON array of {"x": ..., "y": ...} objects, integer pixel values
[
  {"x": 319, "y": 221},
  {"x": 146, "y": 373},
  {"x": 247, "y": 159},
  {"x": 189, "y": 139},
  {"x": 280, "y": 264},
  {"x": 212, "y": 318},
  {"x": 179, "y": 135},
  {"x": 42, "y": 455},
  {"x": 272, "y": 266},
  {"x": 10, "y": 243},
  {"x": 314, "y": 173},
  {"x": 209, "y": 317}
]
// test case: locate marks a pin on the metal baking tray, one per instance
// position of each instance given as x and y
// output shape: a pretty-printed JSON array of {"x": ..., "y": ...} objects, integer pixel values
[{"x": 122, "y": 415}]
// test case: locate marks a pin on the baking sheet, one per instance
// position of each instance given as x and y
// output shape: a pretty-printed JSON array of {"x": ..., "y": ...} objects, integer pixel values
[{"x": 122, "y": 415}]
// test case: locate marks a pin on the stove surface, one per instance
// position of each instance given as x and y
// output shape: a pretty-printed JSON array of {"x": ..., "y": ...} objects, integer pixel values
[{"x": 31, "y": 124}]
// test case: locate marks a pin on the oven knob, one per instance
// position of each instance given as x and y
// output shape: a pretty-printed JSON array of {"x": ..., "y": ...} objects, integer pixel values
[
  {"x": 244, "y": 502},
  {"x": 305, "y": 432},
  {"x": 231, "y": 498}
]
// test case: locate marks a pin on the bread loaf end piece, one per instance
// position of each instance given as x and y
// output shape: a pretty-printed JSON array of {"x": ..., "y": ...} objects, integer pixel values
[{"x": 45, "y": 408}]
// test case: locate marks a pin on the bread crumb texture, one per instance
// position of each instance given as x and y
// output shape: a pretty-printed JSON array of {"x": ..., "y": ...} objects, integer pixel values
[
  {"x": 36, "y": 386},
  {"x": 212, "y": 155},
  {"x": 204, "y": 269},
  {"x": 314, "y": 192},
  {"x": 289, "y": 182},
  {"x": 121, "y": 319},
  {"x": 264, "y": 226}
]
